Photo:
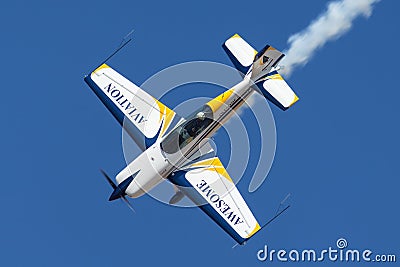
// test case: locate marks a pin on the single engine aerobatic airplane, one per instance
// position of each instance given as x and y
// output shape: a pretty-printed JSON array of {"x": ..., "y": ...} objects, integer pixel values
[{"x": 177, "y": 149}]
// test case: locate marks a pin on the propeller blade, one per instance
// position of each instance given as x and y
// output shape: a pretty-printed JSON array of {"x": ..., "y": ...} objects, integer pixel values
[
  {"x": 113, "y": 185},
  {"x": 128, "y": 204}
]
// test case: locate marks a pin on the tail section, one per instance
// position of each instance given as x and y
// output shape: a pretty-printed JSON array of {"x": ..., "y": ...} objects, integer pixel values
[
  {"x": 265, "y": 60},
  {"x": 262, "y": 68}
]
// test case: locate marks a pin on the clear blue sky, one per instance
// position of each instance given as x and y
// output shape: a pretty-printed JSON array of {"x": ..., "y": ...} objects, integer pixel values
[{"x": 337, "y": 149}]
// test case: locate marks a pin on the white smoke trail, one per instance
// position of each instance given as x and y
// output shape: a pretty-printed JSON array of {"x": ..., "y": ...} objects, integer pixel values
[{"x": 330, "y": 25}]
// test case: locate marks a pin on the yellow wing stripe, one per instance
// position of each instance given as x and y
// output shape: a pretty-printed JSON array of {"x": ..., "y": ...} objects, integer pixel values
[
  {"x": 255, "y": 230},
  {"x": 221, "y": 171},
  {"x": 217, "y": 102},
  {"x": 169, "y": 115},
  {"x": 104, "y": 66},
  {"x": 213, "y": 164},
  {"x": 296, "y": 98},
  {"x": 275, "y": 77},
  {"x": 206, "y": 163},
  {"x": 161, "y": 107}
]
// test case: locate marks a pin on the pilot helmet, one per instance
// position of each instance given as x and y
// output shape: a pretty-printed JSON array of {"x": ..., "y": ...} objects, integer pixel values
[{"x": 201, "y": 115}]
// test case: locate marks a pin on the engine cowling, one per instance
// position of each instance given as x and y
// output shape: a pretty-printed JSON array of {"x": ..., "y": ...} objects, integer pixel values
[{"x": 153, "y": 168}]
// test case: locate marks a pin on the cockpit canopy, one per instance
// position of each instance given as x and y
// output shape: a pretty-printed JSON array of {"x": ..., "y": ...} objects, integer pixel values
[{"x": 195, "y": 124}]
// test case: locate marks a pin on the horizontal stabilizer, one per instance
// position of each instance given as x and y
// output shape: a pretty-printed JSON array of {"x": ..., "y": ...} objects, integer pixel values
[
  {"x": 240, "y": 53},
  {"x": 276, "y": 90}
]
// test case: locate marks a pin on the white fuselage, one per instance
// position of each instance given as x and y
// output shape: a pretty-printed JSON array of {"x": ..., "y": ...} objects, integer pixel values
[{"x": 154, "y": 164}]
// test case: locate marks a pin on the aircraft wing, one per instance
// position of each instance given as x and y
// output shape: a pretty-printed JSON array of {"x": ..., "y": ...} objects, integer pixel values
[
  {"x": 207, "y": 183},
  {"x": 143, "y": 117}
]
